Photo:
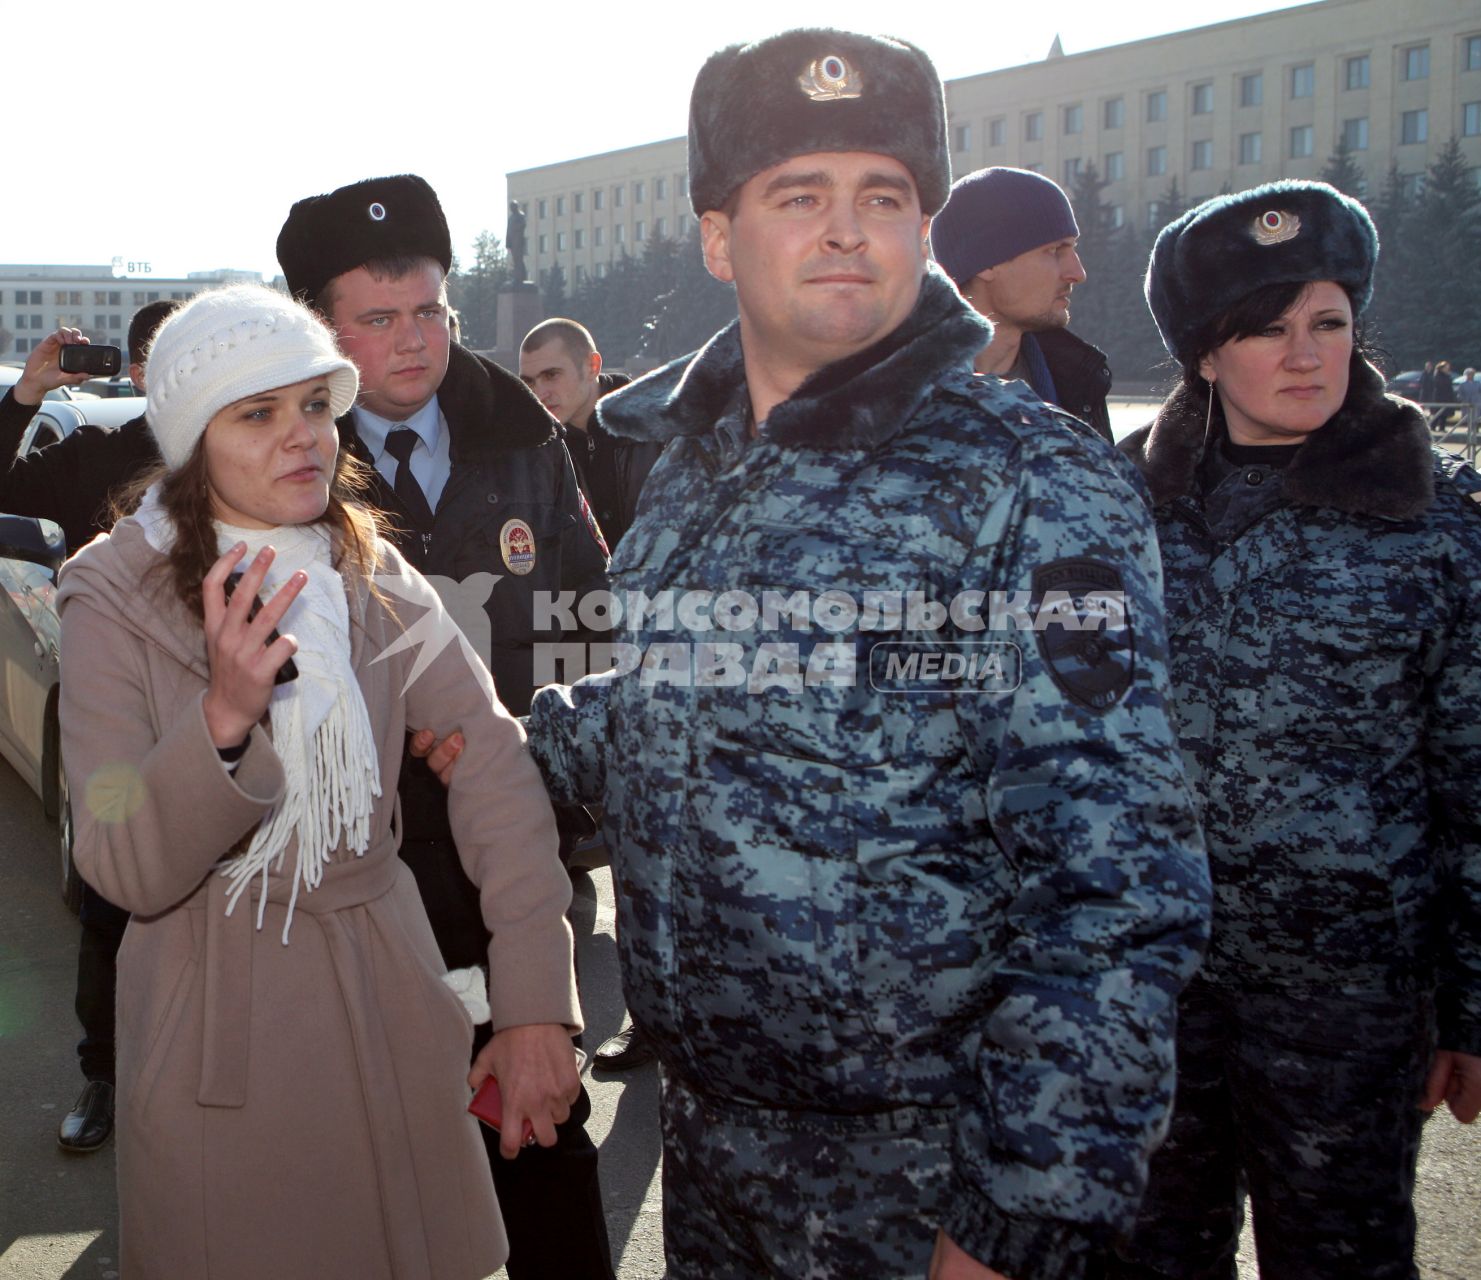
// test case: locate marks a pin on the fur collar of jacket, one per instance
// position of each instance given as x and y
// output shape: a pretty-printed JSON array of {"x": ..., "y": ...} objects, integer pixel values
[
  {"x": 1372, "y": 457},
  {"x": 855, "y": 403}
]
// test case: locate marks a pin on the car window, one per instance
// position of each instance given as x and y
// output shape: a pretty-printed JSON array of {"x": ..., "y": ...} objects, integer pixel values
[{"x": 47, "y": 427}]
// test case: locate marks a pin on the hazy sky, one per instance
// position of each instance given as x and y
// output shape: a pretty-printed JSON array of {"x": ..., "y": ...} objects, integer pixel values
[{"x": 180, "y": 134}]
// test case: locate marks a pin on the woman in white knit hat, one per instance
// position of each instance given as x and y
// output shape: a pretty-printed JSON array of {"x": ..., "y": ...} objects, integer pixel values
[{"x": 291, "y": 1064}]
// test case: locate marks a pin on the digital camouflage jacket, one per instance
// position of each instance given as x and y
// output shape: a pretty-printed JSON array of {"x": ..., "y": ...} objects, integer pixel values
[
  {"x": 850, "y": 885},
  {"x": 1327, "y": 670}
]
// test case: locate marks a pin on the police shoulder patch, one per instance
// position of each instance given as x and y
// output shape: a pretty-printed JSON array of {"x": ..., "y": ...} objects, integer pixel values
[
  {"x": 1083, "y": 630},
  {"x": 1464, "y": 478},
  {"x": 592, "y": 525}
]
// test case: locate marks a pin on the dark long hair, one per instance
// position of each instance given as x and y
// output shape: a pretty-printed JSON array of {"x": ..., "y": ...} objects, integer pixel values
[{"x": 354, "y": 526}]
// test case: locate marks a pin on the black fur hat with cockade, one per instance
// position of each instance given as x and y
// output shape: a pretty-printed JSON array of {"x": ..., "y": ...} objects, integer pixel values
[
  {"x": 1226, "y": 248},
  {"x": 370, "y": 221},
  {"x": 755, "y": 105}
]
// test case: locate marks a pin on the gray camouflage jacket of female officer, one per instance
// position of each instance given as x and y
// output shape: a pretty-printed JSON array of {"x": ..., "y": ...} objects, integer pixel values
[{"x": 1327, "y": 684}]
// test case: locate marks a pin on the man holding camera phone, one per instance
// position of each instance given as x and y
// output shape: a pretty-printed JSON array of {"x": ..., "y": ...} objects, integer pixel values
[{"x": 71, "y": 482}]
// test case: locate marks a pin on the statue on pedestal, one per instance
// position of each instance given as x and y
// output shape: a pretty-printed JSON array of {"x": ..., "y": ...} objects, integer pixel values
[{"x": 514, "y": 242}]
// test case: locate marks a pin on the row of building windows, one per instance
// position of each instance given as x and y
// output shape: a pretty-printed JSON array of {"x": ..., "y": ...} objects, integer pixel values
[
  {"x": 577, "y": 239},
  {"x": 101, "y": 297},
  {"x": 1413, "y": 127},
  {"x": 33, "y": 320},
  {"x": 639, "y": 190},
  {"x": 1357, "y": 74}
]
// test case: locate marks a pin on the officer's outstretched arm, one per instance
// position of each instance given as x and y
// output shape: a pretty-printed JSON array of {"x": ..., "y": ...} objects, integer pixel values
[
  {"x": 1087, "y": 802},
  {"x": 1452, "y": 765},
  {"x": 569, "y": 735}
]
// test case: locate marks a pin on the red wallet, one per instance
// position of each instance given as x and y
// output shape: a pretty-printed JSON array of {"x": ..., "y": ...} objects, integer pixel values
[{"x": 488, "y": 1106}]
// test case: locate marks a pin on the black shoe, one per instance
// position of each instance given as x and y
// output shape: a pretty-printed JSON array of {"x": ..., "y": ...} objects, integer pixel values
[
  {"x": 628, "y": 1049},
  {"x": 90, "y": 1122}
]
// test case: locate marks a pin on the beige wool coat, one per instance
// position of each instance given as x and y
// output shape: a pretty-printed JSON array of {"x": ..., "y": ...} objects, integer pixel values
[{"x": 295, "y": 1111}]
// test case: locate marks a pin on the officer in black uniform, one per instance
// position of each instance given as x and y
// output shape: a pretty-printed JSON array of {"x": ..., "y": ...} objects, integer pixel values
[{"x": 472, "y": 472}]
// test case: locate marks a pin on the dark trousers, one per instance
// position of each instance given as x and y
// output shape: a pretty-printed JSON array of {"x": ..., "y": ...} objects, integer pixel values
[
  {"x": 1309, "y": 1103},
  {"x": 97, "y": 981},
  {"x": 754, "y": 1191},
  {"x": 551, "y": 1200}
]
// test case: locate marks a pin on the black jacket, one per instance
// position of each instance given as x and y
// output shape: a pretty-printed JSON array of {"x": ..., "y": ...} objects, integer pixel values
[
  {"x": 1081, "y": 375},
  {"x": 71, "y": 481},
  {"x": 611, "y": 468},
  {"x": 508, "y": 464}
]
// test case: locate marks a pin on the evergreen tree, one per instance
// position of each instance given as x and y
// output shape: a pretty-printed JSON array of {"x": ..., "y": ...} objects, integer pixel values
[
  {"x": 1344, "y": 172},
  {"x": 1388, "y": 323},
  {"x": 694, "y": 306},
  {"x": 612, "y": 307},
  {"x": 1173, "y": 204},
  {"x": 1092, "y": 214},
  {"x": 657, "y": 306},
  {"x": 1109, "y": 309},
  {"x": 553, "y": 291},
  {"x": 474, "y": 294},
  {"x": 1096, "y": 305},
  {"x": 1442, "y": 262}
]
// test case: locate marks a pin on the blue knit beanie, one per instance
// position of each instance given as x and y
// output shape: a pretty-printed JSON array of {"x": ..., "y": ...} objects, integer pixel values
[{"x": 996, "y": 214}]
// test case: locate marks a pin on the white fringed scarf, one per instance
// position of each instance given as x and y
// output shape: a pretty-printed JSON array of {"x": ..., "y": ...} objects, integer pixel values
[{"x": 320, "y": 725}]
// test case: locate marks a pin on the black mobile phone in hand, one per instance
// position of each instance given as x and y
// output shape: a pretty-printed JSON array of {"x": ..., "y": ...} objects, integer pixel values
[
  {"x": 288, "y": 671},
  {"x": 90, "y": 357}
]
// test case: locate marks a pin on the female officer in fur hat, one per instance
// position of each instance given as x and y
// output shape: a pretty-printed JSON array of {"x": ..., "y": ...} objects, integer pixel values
[{"x": 1326, "y": 647}]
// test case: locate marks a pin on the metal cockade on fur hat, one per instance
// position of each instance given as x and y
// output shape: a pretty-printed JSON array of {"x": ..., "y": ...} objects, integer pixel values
[
  {"x": 325, "y": 236},
  {"x": 1227, "y": 247},
  {"x": 755, "y": 105}
]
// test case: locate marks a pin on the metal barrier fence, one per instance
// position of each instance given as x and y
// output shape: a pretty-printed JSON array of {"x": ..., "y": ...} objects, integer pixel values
[{"x": 1454, "y": 426}]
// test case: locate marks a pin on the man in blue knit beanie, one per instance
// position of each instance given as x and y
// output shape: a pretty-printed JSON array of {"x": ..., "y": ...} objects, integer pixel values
[{"x": 1007, "y": 237}]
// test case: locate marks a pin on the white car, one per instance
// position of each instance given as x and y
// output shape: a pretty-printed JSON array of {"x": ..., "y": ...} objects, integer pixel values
[
  {"x": 30, "y": 552},
  {"x": 30, "y": 635},
  {"x": 64, "y": 410}
]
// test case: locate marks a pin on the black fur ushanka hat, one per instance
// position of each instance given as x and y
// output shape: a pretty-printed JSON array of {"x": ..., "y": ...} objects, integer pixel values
[
  {"x": 755, "y": 105},
  {"x": 325, "y": 236},
  {"x": 1226, "y": 248}
]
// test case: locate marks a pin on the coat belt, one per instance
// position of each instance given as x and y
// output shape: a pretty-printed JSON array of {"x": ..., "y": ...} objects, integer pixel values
[{"x": 228, "y": 960}]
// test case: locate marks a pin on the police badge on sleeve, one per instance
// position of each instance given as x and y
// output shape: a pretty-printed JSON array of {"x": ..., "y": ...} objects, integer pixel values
[{"x": 1083, "y": 630}]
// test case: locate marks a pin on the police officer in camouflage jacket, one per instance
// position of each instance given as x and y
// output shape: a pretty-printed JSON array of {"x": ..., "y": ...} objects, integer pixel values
[
  {"x": 909, "y": 872},
  {"x": 1321, "y": 563}
]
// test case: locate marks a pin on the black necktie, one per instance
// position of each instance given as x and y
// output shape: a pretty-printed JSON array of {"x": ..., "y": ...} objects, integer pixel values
[{"x": 399, "y": 445}]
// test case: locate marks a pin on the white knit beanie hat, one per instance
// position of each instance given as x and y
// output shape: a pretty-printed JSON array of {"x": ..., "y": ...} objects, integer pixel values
[{"x": 227, "y": 344}]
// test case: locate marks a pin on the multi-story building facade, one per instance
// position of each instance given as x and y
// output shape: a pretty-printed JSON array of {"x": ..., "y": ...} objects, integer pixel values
[
  {"x": 35, "y": 300},
  {"x": 583, "y": 215},
  {"x": 1229, "y": 105}
]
